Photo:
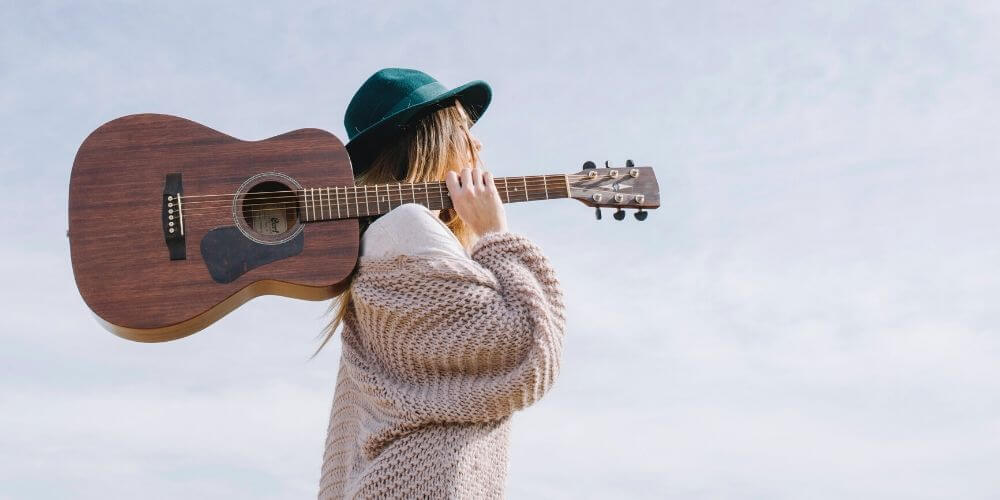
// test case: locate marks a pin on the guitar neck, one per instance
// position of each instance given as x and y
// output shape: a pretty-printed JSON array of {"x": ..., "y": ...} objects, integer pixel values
[{"x": 345, "y": 202}]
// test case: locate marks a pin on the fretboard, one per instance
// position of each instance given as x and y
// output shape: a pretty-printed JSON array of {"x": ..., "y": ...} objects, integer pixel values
[{"x": 344, "y": 202}]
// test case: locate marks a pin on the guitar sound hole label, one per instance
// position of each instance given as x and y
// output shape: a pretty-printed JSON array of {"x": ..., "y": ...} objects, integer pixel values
[{"x": 268, "y": 219}]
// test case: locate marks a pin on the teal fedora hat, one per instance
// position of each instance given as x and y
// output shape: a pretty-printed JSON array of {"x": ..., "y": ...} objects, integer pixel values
[{"x": 394, "y": 98}]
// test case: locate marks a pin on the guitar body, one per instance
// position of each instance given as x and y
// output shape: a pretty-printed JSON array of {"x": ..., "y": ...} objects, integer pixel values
[{"x": 148, "y": 282}]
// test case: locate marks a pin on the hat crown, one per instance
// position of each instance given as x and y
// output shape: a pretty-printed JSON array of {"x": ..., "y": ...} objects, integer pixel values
[{"x": 382, "y": 94}]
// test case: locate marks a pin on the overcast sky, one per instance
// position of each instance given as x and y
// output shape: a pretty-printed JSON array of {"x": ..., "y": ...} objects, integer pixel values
[{"x": 810, "y": 314}]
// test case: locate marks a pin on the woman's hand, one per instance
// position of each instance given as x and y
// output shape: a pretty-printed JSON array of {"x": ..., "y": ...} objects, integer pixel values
[{"x": 476, "y": 200}]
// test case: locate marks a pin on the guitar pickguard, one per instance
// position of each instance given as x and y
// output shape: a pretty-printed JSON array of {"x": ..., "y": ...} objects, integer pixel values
[{"x": 229, "y": 254}]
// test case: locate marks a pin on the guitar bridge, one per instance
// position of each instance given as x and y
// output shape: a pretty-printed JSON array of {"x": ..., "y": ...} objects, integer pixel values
[{"x": 173, "y": 217}]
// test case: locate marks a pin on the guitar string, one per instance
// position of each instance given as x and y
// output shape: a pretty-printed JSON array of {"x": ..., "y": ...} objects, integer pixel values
[
  {"x": 519, "y": 179},
  {"x": 346, "y": 214},
  {"x": 321, "y": 199},
  {"x": 371, "y": 194},
  {"x": 346, "y": 204},
  {"x": 388, "y": 188}
]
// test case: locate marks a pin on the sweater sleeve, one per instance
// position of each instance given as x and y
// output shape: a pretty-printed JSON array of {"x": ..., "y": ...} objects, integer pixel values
[{"x": 462, "y": 340}]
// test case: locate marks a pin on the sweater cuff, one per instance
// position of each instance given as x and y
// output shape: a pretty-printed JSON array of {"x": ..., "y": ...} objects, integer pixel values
[{"x": 502, "y": 241}]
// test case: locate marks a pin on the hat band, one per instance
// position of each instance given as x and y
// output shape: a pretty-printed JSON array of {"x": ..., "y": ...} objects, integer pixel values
[{"x": 420, "y": 94}]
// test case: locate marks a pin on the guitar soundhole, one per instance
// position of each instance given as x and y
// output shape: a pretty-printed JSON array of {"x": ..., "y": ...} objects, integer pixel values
[{"x": 270, "y": 209}]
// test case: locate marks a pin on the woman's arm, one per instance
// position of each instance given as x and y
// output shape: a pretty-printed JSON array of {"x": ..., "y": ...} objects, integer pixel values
[{"x": 462, "y": 340}]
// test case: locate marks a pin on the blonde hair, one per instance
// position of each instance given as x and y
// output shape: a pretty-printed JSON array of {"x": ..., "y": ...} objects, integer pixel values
[{"x": 427, "y": 149}]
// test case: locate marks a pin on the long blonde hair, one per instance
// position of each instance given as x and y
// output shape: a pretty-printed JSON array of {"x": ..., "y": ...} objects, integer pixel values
[{"x": 427, "y": 149}]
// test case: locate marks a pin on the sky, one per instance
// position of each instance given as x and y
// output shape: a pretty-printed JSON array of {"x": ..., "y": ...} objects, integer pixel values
[{"x": 811, "y": 313}]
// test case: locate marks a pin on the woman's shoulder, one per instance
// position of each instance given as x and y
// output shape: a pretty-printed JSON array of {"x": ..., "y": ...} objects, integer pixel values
[{"x": 410, "y": 229}]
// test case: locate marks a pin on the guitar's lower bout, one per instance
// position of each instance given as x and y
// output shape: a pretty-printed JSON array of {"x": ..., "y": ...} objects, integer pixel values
[
  {"x": 203, "y": 320},
  {"x": 143, "y": 289}
]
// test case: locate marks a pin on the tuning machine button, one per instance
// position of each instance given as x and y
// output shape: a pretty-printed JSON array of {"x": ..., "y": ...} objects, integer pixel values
[
  {"x": 629, "y": 163},
  {"x": 589, "y": 165},
  {"x": 619, "y": 214},
  {"x": 640, "y": 215},
  {"x": 597, "y": 213}
]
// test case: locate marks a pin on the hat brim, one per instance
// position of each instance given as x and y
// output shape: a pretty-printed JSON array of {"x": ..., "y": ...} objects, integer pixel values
[{"x": 475, "y": 96}]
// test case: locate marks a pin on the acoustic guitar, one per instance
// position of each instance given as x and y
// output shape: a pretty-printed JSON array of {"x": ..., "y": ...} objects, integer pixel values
[{"x": 172, "y": 225}]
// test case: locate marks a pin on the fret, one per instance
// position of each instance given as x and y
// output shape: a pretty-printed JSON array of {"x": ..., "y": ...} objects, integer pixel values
[
  {"x": 506, "y": 190},
  {"x": 525, "y": 182},
  {"x": 378, "y": 206},
  {"x": 566, "y": 180},
  {"x": 427, "y": 195},
  {"x": 545, "y": 185},
  {"x": 413, "y": 193},
  {"x": 400, "y": 188},
  {"x": 322, "y": 211},
  {"x": 357, "y": 207},
  {"x": 310, "y": 211},
  {"x": 329, "y": 203},
  {"x": 305, "y": 205},
  {"x": 440, "y": 195},
  {"x": 336, "y": 198}
]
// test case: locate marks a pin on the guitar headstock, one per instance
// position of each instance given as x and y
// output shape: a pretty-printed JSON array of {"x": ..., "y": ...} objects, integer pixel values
[{"x": 616, "y": 187}]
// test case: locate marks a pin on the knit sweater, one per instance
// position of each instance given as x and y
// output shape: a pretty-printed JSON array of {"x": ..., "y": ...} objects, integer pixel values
[{"x": 438, "y": 352}]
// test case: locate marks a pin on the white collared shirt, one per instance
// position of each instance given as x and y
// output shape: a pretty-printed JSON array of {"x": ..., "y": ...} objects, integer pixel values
[{"x": 411, "y": 229}]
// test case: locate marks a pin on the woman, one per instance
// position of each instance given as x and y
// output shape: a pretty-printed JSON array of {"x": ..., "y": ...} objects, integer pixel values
[{"x": 451, "y": 322}]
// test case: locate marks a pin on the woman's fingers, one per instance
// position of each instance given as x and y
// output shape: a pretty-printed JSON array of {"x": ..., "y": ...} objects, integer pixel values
[
  {"x": 451, "y": 180},
  {"x": 475, "y": 199},
  {"x": 477, "y": 179},
  {"x": 467, "y": 179},
  {"x": 488, "y": 181}
]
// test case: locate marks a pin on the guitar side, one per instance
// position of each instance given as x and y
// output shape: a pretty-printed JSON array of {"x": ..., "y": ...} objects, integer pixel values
[{"x": 142, "y": 290}]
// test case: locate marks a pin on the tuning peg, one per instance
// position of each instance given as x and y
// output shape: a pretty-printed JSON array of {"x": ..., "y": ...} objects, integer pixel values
[
  {"x": 589, "y": 164},
  {"x": 629, "y": 164},
  {"x": 619, "y": 214},
  {"x": 640, "y": 215},
  {"x": 597, "y": 212}
]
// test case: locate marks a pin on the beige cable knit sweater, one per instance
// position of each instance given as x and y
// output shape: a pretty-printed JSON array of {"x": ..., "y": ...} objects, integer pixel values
[{"x": 438, "y": 352}]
